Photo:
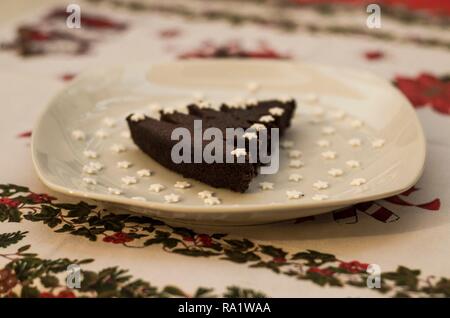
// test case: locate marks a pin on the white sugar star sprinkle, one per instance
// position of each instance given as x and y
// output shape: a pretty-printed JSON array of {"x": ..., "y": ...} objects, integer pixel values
[
  {"x": 91, "y": 154},
  {"x": 266, "y": 185},
  {"x": 323, "y": 143},
  {"x": 78, "y": 135},
  {"x": 250, "y": 135},
  {"x": 124, "y": 164},
  {"x": 89, "y": 180},
  {"x": 287, "y": 144},
  {"x": 352, "y": 163},
  {"x": 137, "y": 117},
  {"x": 320, "y": 185},
  {"x": 172, "y": 198},
  {"x": 294, "y": 194},
  {"x": 92, "y": 167},
  {"x": 285, "y": 99},
  {"x": 296, "y": 163},
  {"x": 211, "y": 201},
  {"x": 356, "y": 123},
  {"x": 125, "y": 134},
  {"x": 182, "y": 185},
  {"x": 266, "y": 119},
  {"x": 144, "y": 173},
  {"x": 154, "y": 107},
  {"x": 295, "y": 177},
  {"x": 139, "y": 198},
  {"x": 96, "y": 165},
  {"x": 358, "y": 182},
  {"x": 205, "y": 194},
  {"x": 328, "y": 130},
  {"x": 337, "y": 114},
  {"x": 129, "y": 180},
  {"x": 335, "y": 172},
  {"x": 378, "y": 143},
  {"x": 118, "y": 148},
  {"x": 276, "y": 111},
  {"x": 319, "y": 197},
  {"x": 258, "y": 126},
  {"x": 329, "y": 154},
  {"x": 239, "y": 152},
  {"x": 295, "y": 154},
  {"x": 168, "y": 110},
  {"x": 114, "y": 191},
  {"x": 253, "y": 86},
  {"x": 101, "y": 134},
  {"x": 109, "y": 122},
  {"x": 156, "y": 187},
  {"x": 355, "y": 142}
]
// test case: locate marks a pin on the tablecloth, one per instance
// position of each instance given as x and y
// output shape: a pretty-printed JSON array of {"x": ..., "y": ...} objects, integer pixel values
[{"x": 121, "y": 254}]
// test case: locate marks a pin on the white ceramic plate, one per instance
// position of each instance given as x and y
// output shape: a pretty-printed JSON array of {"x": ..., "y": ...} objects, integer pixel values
[{"x": 345, "y": 98}]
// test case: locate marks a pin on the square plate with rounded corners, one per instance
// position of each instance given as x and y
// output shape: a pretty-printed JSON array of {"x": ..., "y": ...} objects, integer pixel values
[{"x": 334, "y": 104}]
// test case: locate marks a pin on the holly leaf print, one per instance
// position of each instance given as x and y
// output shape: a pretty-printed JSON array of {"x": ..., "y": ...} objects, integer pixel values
[{"x": 7, "y": 239}]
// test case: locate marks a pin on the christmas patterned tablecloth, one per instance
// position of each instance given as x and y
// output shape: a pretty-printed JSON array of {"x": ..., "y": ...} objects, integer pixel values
[{"x": 42, "y": 233}]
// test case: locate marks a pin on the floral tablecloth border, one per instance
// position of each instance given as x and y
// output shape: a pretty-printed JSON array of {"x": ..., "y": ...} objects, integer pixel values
[{"x": 21, "y": 275}]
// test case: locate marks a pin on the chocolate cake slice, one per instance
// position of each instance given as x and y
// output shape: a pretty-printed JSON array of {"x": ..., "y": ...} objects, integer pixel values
[{"x": 153, "y": 137}]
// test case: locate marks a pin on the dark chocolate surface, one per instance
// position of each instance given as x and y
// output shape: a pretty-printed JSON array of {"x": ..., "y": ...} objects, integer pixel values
[{"x": 153, "y": 137}]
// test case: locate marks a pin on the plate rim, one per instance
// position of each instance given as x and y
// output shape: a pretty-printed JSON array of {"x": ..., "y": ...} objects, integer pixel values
[{"x": 230, "y": 208}]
